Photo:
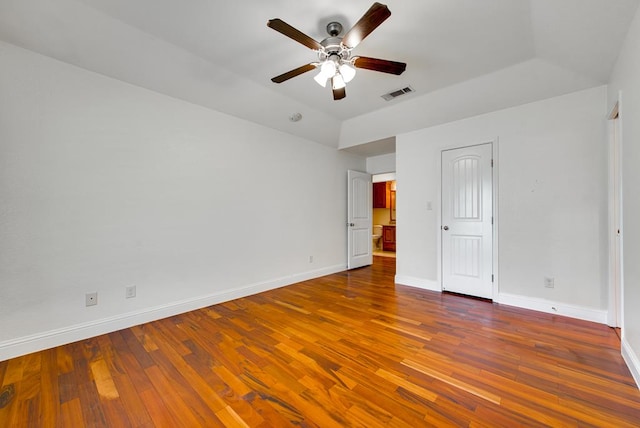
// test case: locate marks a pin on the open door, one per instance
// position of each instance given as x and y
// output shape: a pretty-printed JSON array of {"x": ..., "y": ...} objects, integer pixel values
[{"x": 359, "y": 222}]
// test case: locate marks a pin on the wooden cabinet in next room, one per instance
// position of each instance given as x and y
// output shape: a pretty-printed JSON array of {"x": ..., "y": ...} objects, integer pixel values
[
  {"x": 380, "y": 199},
  {"x": 389, "y": 238}
]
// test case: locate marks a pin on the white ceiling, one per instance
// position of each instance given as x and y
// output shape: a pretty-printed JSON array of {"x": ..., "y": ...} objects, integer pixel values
[{"x": 221, "y": 54}]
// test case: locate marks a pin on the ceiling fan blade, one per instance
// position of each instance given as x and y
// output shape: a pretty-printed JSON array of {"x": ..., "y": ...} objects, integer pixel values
[
  {"x": 375, "y": 16},
  {"x": 293, "y": 73},
  {"x": 339, "y": 94},
  {"x": 383, "y": 65},
  {"x": 297, "y": 35}
]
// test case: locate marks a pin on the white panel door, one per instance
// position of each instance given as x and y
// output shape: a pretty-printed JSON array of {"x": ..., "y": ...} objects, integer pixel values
[
  {"x": 359, "y": 221},
  {"x": 467, "y": 229}
]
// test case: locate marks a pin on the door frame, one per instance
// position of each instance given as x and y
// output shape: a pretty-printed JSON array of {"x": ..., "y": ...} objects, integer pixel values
[
  {"x": 496, "y": 222},
  {"x": 615, "y": 307},
  {"x": 383, "y": 177}
]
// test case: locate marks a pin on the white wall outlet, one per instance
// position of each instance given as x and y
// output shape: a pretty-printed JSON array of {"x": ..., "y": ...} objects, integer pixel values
[
  {"x": 549, "y": 282},
  {"x": 310, "y": 259},
  {"x": 91, "y": 299},
  {"x": 130, "y": 292}
]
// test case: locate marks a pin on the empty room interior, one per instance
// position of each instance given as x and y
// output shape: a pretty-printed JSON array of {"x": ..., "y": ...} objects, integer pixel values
[{"x": 319, "y": 214}]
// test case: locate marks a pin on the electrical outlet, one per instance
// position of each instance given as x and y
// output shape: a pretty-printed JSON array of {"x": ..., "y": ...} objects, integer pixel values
[
  {"x": 549, "y": 282},
  {"x": 130, "y": 292},
  {"x": 91, "y": 299},
  {"x": 310, "y": 259}
]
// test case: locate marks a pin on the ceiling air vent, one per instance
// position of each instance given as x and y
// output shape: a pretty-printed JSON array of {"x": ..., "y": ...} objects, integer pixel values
[{"x": 395, "y": 94}]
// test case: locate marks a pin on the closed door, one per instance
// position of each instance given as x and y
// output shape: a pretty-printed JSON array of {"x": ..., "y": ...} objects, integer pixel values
[
  {"x": 359, "y": 223},
  {"x": 467, "y": 222}
]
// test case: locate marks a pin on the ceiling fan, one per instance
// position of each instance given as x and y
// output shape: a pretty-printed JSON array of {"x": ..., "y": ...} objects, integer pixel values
[{"x": 334, "y": 53}]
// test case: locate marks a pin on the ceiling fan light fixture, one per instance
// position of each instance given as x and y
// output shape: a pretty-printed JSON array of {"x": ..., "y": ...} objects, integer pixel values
[
  {"x": 321, "y": 79},
  {"x": 338, "y": 82},
  {"x": 347, "y": 71},
  {"x": 327, "y": 71},
  {"x": 328, "y": 68}
]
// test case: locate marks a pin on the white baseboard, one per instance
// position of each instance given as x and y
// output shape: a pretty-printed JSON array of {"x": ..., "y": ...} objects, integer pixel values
[
  {"x": 48, "y": 339},
  {"x": 533, "y": 303},
  {"x": 632, "y": 360},
  {"x": 551, "y": 307},
  {"x": 413, "y": 281}
]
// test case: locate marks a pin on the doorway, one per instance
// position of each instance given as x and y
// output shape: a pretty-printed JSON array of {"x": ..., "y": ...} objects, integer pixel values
[
  {"x": 467, "y": 220},
  {"x": 384, "y": 215}
]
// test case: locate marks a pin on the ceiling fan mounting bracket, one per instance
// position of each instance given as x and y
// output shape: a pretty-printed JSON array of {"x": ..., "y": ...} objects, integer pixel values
[{"x": 334, "y": 28}]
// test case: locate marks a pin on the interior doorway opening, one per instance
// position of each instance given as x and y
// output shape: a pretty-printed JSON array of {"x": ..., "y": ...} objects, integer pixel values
[{"x": 384, "y": 215}]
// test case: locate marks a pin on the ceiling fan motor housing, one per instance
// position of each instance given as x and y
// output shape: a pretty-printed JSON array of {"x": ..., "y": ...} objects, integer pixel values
[{"x": 332, "y": 46}]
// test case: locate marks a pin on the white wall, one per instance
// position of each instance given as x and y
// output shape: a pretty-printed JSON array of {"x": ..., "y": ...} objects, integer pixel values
[
  {"x": 381, "y": 164},
  {"x": 529, "y": 81},
  {"x": 552, "y": 209},
  {"x": 63, "y": 30},
  {"x": 106, "y": 185},
  {"x": 625, "y": 83}
]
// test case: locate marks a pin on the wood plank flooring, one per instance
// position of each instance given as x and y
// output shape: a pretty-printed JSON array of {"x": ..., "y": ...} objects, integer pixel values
[{"x": 350, "y": 349}]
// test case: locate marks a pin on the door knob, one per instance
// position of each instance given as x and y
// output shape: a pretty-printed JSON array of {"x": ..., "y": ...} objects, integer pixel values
[
  {"x": 352, "y": 224},
  {"x": 445, "y": 227}
]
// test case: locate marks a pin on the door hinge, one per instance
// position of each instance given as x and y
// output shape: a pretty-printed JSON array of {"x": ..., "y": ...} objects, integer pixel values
[
  {"x": 491, "y": 220},
  {"x": 491, "y": 277},
  {"x": 491, "y": 163}
]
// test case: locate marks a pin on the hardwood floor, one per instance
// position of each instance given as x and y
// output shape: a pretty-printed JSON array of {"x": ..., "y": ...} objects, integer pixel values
[{"x": 349, "y": 349}]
